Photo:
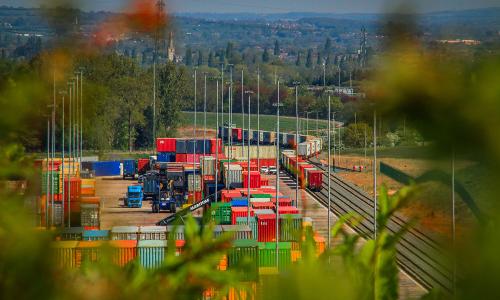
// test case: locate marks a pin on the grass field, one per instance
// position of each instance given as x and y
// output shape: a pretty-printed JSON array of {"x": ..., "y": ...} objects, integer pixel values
[{"x": 267, "y": 122}]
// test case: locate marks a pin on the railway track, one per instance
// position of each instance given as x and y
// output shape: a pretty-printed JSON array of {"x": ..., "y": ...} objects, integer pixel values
[{"x": 417, "y": 254}]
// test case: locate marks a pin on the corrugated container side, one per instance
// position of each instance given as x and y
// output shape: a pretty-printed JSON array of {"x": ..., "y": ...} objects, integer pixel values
[
  {"x": 125, "y": 233},
  {"x": 107, "y": 168},
  {"x": 166, "y": 144},
  {"x": 194, "y": 183},
  {"x": 152, "y": 233},
  {"x": 123, "y": 251},
  {"x": 267, "y": 255},
  {"x": 240, "y": 212},
  {"x": 253, "y": 225},
  {"x": 177, "y": 231},
  {"x": 65, "y": 254},
  {"x": 96, "y": 235},
  {"x": 152, "y": 253},
  {"x": 241, "y": 254},
  {"x": 266, "y": 226},
  {"x": 180, "y": 146}
]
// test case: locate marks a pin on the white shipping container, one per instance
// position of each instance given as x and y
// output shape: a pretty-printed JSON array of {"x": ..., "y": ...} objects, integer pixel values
[
  {"x": 304, "y": 149},
  {"x": 89, "y": 215},
  {"x": 197, "y": 183},
  {"x": 124, "y": 233},
  {"x": 153, "y": 233},
  {"x": 208, "y": 165},
  {"x": 262, "y": 200},
  {"x": 232, "y": 175},
  {"x": 265, "y": 152}
]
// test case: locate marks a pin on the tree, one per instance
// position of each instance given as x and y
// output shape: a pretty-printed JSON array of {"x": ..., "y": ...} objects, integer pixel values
[
  {"x": 200, "y": 58},
  {"x": 189, "y": 56},
  {"x": 172, "y": 93},
  {"x": 328, "y": 45},
  {"x": 309, "y": 58},
  {"x": 229, "y": 50},
  {"x": 298, "y": 62},
  {"x": 327, "y": 62},
  {"x": 276, "y": 48},
  {"x": 319, "y": 60},
  {"x": 265, "y": 55},
  {"x": 211, "y": 59},
  {"x": 354, "y": 135}
]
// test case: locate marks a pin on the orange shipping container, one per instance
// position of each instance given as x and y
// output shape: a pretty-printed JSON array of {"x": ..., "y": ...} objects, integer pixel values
[{"x": 123, "y": 251}]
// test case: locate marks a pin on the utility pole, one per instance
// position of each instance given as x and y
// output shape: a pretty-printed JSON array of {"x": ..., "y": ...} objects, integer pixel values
[
  {"x": 222, "y": 100},
  {"x": 248, "y": 160},
  {"x": 205, "y": 114},
  {"x": 278, "y": 104},
  {"x": 243, "y": 114},
  {"x": 329, "y": 171},
  {"x": 63, "y": 93},
  {"x": 194, "y": 138},
  {"x": 81, "y": 118},
  {"x": 296, "y": 83},
  {"x": 258, "y": 119},
  {"x": 217, "y": 143}
]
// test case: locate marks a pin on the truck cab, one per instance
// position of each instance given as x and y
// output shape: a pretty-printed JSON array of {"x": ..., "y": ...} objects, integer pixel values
[{"x": 134, "y": 196}]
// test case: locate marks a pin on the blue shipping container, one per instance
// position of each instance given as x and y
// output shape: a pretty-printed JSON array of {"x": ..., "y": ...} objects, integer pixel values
[
  {"x": 96, "y": 235},
  {"x": 180, "y": 146},
  {"x": 210, "y": 188},
  {"x": 106, "y": 168},
  {"x": 152, "y": 253},
  {"x": 241, "y": 202},
  {"x": 166, "y": 156},
  {"x": 129, "y": 168},
  {"x": 267, "y": 137}
]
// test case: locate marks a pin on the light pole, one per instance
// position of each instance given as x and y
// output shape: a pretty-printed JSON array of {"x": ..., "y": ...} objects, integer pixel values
[
  {"x": 53, "y": 138},
  {"x": 47, "y": 191},
  {"x": 217, "y": 141},
  {"x": 258, "y": 119},
  {"x": 278, "y": 104},
  {"x": 324, "y": 73},
  {"x": 63, "y": 93},
  {"x": 154, "y": 96},
  {"x": 243, "y": 114},
  {"x": 248, "y": 160},
  {"x": 194, "y": 138},
  {"x": 81, "y": 117},
  {"x": 334, "y": 127},
  {"x": 329, "y": 171},
  {"x": 222, "y": 100},
  {"x": 296, "y": 83},
  {"x": 70, "y": 147},
  {"x": 205, "y": 113},
  {"x": 76, "y": 94},
  {"x": 230, "y": 99}
]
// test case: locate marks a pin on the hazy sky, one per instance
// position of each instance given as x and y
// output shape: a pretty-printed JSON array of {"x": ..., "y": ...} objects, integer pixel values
[{"x": 280, "y": 6}]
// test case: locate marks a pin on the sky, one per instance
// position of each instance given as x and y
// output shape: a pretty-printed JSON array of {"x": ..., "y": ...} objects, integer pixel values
[{"x": 282, "y": 6}]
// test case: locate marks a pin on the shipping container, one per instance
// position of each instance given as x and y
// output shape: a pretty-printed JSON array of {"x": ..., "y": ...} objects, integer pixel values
[
  {"x": 284, "y": 201},
  {"x": 193, "y": 183},
  {"x": 253, "y": 225},
  {"x": 244, "y": 254},
  {"x": 152, "y": 253},
  {"x": 282, "y": 210},
  {"x": 142, "y": 165},
  {"x": 96, "y": 235},
  {"x": 215, "y": 146},
  {"x": 314, "y": 179},
  {"x": 237, "y": 134},
  {"x": 107, "y": 168},
  {"x": 72, "y": 234},
  {"x": 221, "y": 213},
  {"x": 65, "y": 253},
  {"x": 218, "y": 231},
  {"x": 238, "y": 232},
  {"x": 72, "y": 189},
  {"x": 304, "y": 149},
  {"x": 54, "y": 184},
  {"x": 89, "y": 215},
  {"x": 210, "y": 190},
  {"x": 176, "y": 232},
  {"x": 262, "y": 151},
  {"x": 207, "y": 165},
  {"x": 239, "y": 202},
  {"x": 266, "y": 227},
  {"x": 290, "y": 227},
  {"x": 267, "y": 255},
  {"x": 227, "y": 195},
  {"x": 123, "y": 251},
  {"x": 166, "y": 145},
  {"x": 181, "y": 146},
  {"x": 124, "y": 233},
  {"x": 129, "y": 168},
  {"x": 152, "y": 233},
  {"x": 254, "y": 179},
  {"x": 239, "y": 211},
  {"x": 232, "y": 175},
  {"x": 263, "y": 205},
  {"x": 87, "y": 187},
  {"x": 166, "y": 157}
]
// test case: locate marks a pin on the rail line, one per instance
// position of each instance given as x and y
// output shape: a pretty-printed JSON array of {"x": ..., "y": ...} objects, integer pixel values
[{"x": 417, "y": 254}]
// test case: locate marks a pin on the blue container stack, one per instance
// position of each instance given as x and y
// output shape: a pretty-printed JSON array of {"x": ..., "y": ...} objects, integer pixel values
[
  {"x": 106, "y": 168},
  {"x": 166, "y": 156}
]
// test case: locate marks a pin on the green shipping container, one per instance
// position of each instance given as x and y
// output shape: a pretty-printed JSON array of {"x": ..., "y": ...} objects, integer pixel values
[
  {"x": 221, "y": 213},
  {"x": 253, "y": 225},
  {"x": 267, "y": 254},
  {"x": 55, "y": 181},
  {"x": 244, "y": 255},
  {"x": 290, "y": 227},
  {"x": 152, "y": 253},
  {"x": 260, "y": 196}
]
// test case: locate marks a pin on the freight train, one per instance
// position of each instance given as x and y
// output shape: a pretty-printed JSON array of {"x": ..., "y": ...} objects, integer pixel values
[
  {"x": 307, "y": 146},
  {"x": 309, "y": 176}
]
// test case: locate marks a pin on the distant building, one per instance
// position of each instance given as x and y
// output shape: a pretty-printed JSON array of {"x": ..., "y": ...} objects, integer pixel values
[
  {"x": 171, "y": 48},
  {"x": 459, "y": 41}
]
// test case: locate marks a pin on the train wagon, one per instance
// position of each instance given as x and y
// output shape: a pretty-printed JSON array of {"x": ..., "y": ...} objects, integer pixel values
[{"x": 314, "y": 179}]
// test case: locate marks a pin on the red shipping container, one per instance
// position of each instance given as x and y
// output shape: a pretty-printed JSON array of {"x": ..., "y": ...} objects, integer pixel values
[
  {"x": 237, "y": 134},
  {"x": 165, "y": 144},
  {"x": 244, "y": 192},
  {"x": 254, "y": 179},
  {"x": 124, "y": 251},
  {"x": 283, "y": 201},
  {"x": 283, "y": 210},
  {"x": 266, "y": 228},
  {"x": 315, "y": 179},
  {"x": 180, "y": 157},
  {"x": 190, "y": 158},
  {"x": 264, "y": 162},
  {"x": 213, "y": 146},
  {"x": 228, "y": 194},
  {"x": 142, "y": 164},
  {"x": 263, "y": 205},
  {"x": 75, "y": 185},
  {"x": 238, "y": 211},
  {"x": 264, "y": 182}
]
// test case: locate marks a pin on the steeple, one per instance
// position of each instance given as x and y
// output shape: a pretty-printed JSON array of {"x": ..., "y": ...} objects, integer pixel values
[{"x": 171, "y": 48}]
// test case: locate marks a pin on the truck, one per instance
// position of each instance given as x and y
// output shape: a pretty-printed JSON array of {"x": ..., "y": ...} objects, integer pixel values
[
  {"x": 134, "y": 196},
  {"x": 129, "y": 168}
]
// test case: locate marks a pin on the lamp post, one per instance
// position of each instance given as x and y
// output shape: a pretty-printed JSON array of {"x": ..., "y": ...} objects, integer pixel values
[
  {"x": 70, "y": 149},
  {"x": 217, "y": 141},
  {"x": 278, "y": 104},
  {"x": 249, "y": 93},
  {"x": 296, "y": 83},
  {"x": 205, "y": 113},
  {"x": 222, "y": 100},
  {"x": 375, "y": 174},
  {"x": 329, "y": 171},
  {"x": 47, "y": 190},
  {"x": 258, "y": 119},
  {"x": 243, "y": 113},
  {"x": 194, "y": 137},
  {"x": 62, "y": 93}
]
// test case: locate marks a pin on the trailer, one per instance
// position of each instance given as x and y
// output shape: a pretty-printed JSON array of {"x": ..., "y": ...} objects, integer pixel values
[{"x": 129, "y": 168}]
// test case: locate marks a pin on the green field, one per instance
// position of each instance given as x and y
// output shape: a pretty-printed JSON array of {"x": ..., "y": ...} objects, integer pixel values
[{"x": 267, "y": 122}]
